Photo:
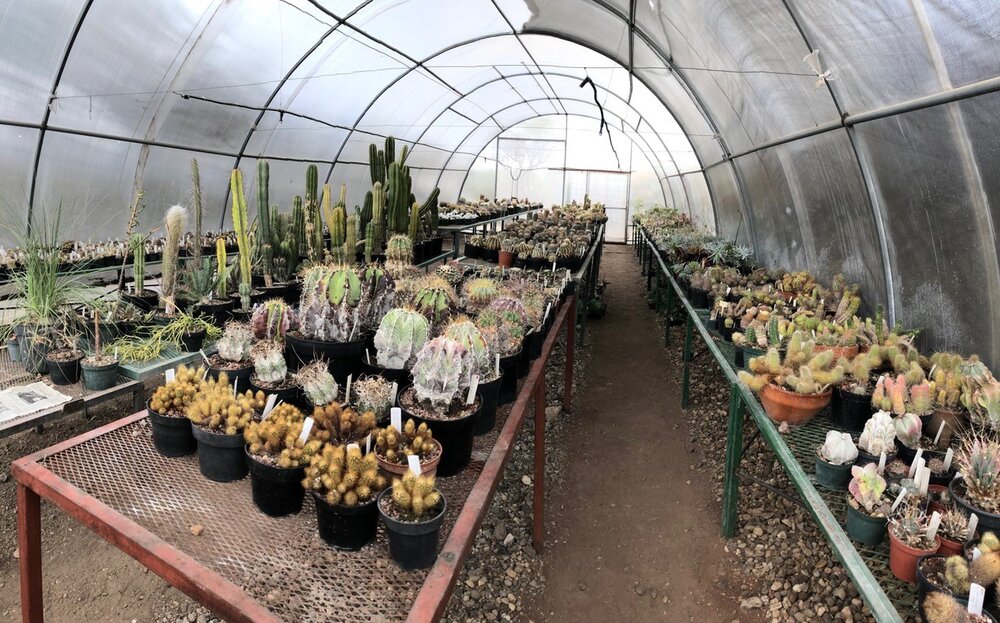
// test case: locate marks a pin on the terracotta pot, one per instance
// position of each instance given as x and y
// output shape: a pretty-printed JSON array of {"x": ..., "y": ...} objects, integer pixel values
[
  {"x": 954, "y": 422},
  {"x": 391, "y": 470},
  {"x": 903, "y": 558},
  {"x": 784, "y": 406},
  {"x": 506, "y": 259},
  {"x": 839, "y": 351},
  {"x": 934, "y": 491},
  {"x": 950, "y": 548}
]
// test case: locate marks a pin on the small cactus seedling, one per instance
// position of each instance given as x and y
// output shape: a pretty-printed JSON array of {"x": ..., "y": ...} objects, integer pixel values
[
  {"x": 415, "y": 497},
  {"x": 317, "y": 383},
  {"x": 236, "y": 342},
  {"x": 342, "y": 476},
  {"x": 394, "y": 446}
]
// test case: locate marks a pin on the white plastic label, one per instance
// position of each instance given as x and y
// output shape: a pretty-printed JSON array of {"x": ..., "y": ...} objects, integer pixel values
[
  {"x": 396, "y": 418},
  {"x": 171, "y": 374},
  {"x": 306, "y": 428},
  {"x": 899, "y": 498},
  {"x": 970, "y": 531},
  {"x": 353, "y": 445},
  {"x": 414, "y": 462},
  {"x": 498, "y": 364},
  {"x": 881, "y": 463},
  {"x": 914, "y": 464},
  {"x": 203, "y": 355},
  {"x": 931, "y": 373},
  {"x": 368, "y": 443},
  {"x": 473, "y": 386},
  {"x": 368, "y": 355},
  {"x": 269, "y": 406},
  {"x": 976, "y": 596},
  {"x": 116, "y": 353},
  {"x": 548, "y": 308},
  {"x": 925, "y": 479},
  {"x": 932, "y": 526},
  {"x": 204, "y": 375},
  {"x": 948, "y": 456},
  {"x": 976, "y": 553},
  {"x": 937, "y": 437},
  {"x": 347, "y": 392},
  {"x": 553, "y": 266}
]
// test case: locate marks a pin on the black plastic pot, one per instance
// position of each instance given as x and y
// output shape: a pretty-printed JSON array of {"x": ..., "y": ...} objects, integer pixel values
[
  {"x": 987, "y": 520},
  {"x": 97, "y": 378},
  {"x": 472, "y": 251},
  {"x": 171, "y": 435},
  {"x": 64, "y": 372},
  {"x": 743, "y": 355},
  {"x": 276, "y": 491},
  {"x": 508, "y": 383},
  {"x": 850, "y": 411},
  {"x": 14, "y": 349},
  {"x": 535, "y": 341},
  {"x": 412, "y": 545},
  {"x": 865, "y": 529},
  {"x": 489, "y": 393},
  {"x": 291, "y": 394},
  {"x": 145, "y": 301},
  {"x": 343, "y": 358},
  {"x": 192, "y": 342},
  {"x": 832, "y": 476},
  {"x": 524, "y": 361},
  {"x": 34, "y": 355},
  {"x": 218, "y": 312},
  {"x": 221, "y": 457},
  {"x": 347, "y": 528},
  {"x": 241, "y": 376},
  {"x": 456, "y": 436},
  {"x": 699, "y": 298},
  {"x": 401, "y": 377},
  {"x": 864, "y": 458}
]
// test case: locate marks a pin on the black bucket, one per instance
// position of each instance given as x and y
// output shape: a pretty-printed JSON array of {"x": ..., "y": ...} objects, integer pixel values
[
  {"x": 240, "y": 376},
  {"x": 172, "y": 436},
  {"x": 456, "y": 438},
  {"x": 220, "y": 457},
  {"x": 291, "y": 394},
  {"x": 343, "y": 358},
  {"x": 487, "y": 419},
  {"x": 508, "y": 382},
  {"x": 276, "y": 491},
  {"x": 193, "y": 341},
  {"x": 413, "y": 545},
  {"x": 850, "y": 411},
  {"x": 346, "y": 528},
  {"x": 64, "y": 372}
]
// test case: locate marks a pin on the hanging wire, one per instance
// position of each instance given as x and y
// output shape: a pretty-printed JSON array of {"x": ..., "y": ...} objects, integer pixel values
[{"x": 604, "y": 123}]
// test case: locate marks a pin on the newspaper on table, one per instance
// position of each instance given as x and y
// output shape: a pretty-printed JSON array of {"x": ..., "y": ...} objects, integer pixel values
[{"x": 17, "y": 402}]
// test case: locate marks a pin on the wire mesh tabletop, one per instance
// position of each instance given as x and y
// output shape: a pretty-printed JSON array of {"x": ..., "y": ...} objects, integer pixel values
[{"x": 280, "y": 562}]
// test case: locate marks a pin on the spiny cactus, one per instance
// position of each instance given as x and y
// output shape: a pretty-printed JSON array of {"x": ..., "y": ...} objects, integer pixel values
[
  {"x": 314, "y": 222},
  {"x": 299, "y": 225},
  {"x": 342, "y": 424},
  {"x": 273, "y": 319},
  {"x": 511, "y": 304},
  {"x": 378, "y": 219},
  {"x": 379, "y": 295},
  {"x": 220, "y": 269},
  {"x": 173, "y": 398},
  {"x": 278, "y": 440},
  {"x": 137, "y": 244},
  {"x": 441, "y": 373},
  {"x": 264, "y": 222},
  {"x": 413, "y": 231},
  {"x": 481, "y": 291},
  {"x": 373, "y": 393},
  {"x": 269, "y": 362},
  {"x": 502, "y": 330},
  {"x": 466, "y": 333},
  {"x": 435, "y": 299},
  {"x": 956, "y": 574},
  {"x": 399, "y": 249},
  {"x": 401, "y": 334},
  {"x": 451, "y": 271},
  {"x": 369, "y": 242},
  {"x": 242, "y": 227},
  {"x": 342, "y": 476},
  {"x": 173, "y": 223},
  {"x": 329, "y": 305},
  {"x": 978, "y": 461},
  {"x": 196, "y": 207},
  {"x": 351, "y": 238},
  {"x": 217, "y": 409},
  {"x": 416, "y": 496},
  {"x": 317, "y": 383},
  {"x": 803, "y": 371},
  {"x": 236, "y": 342},
  {"x": 942, "y": 608},
  {"x": 394, "y": 446}
]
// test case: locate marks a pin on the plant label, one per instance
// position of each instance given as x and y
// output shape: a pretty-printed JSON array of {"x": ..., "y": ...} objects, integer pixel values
[
  {"x": 170, "y": 375},
  {"x": 937, "y": 437},
  {"x": 306, "y": 428},
  {"x": 728, "y": 290},
  {"x": 913, "y": 466},
  {"x": 473, "y": 386},
  {"x": 899, "y": 498},
  {"x": 970, "y": 531},
  {"x": 976, "y": 553},
  {"x": 203, "y": 355},
  {"x": 235, "y": 383},
  {"x": 204, "y": 375},
  {"x": 548, "y": 308},
  {"x": 553, "y": 267},
  {"x": 925, "y": 479},
  {"x": 414, "y": 463},
  {"x": 347, "y": 391},
  {"x": 396, "y": 418},
  {"x": 269, "y": 406},
  {"x": 368, "y": 356},
  {"x": 116, "y": 353},
  {"x": 948, "y": 456},
  {"x": 930, "y": 374},
  {"x": 368, "y": 443},
  {"x": 932, "y": 526},
  {"x": 498, "y": 364},
  {"x": 976, "y": 596},
  {"x": 395, "y": 390},
  {"x": 881, "y": 463},
  {"x": 353, "y": 445}
]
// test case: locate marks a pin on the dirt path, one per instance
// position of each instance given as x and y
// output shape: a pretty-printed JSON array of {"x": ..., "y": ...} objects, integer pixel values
[{"x": 634, "y": 533}]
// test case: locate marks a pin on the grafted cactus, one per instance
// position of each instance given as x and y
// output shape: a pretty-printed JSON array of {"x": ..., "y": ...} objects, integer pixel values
[
  {"x": 435, "y": 299},
  {"x": 329, "y": 307},
  {"x": 400, "y": 336},
  {"x": 879, "y": 435},
  {"x": 273, "y": 319},
  {"x": 269, "y": 362},
  {"x": 466, "y": 333},
  {"x": 440, "y": 373},
  {"x": 317, "y": 383},
  {"x": 236, "y": 342}
]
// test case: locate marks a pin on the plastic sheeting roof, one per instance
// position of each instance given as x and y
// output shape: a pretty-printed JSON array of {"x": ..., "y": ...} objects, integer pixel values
[{"x": 880, "y": 172}]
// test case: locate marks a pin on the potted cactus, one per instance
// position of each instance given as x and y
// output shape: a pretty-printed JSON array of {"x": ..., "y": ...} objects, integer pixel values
[
  {"x": 166, "y": 408},
  {"x": 317, "y": 384},
  {"x": 373, "y": 393},
  {"x": 218, "y": 417},
  {"x": 943, "y": 573},
  {"x": 878, "y": 436},
  {"x": 270, "y": 374},
  {"x": 207, "y": 286},
  {"x": 401, "y": 334},
  {"x": 340, "y": 424},
  {"x": 834, "y": 460},
  {"x": 140, "y": 296},
  {"x": 276, "y": 457},
  {"x": 941, "y": 607},
  {"x": 233, "y": 355},
  {"x": 438, "y": 397},
  {"x": 978, "y": 490},
  {"x": 950, "y": 395},
  {"x": 99, "y": 371},
  {"x": 953, "y": 532},
  {"x": 63, "y": 362},
  {"x": 867, "y": 509},
  {"x": 479, "y": 293},
  {"x": 805, "y": 379},
  {"x": 273, "y": 319},
  {"x": 435, "y": 299},
  {"x": 908, "y": 541},
  {"x": 505, "y": 332},
  {"x": 412, "y": 512},
  {"x": 466, "y": 333},
  {"x": 393, "y": 449},
  {"x": 508, "y": 246},
  {"x": 345, "y": 486}
]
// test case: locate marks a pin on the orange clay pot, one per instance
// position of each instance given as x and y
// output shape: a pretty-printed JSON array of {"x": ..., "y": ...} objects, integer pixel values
[
  {"x": 839, "y": 351},
  {"x": 903, "y": 558},
  {"x": 782, "y": 405}
]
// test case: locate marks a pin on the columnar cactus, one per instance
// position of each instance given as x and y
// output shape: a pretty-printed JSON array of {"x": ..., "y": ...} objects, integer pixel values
[
  {"x": 299, "y": 225},
  {"x": 314, "y": 223},
  {"x": 414, "y": 226},
  {"x": 441, "y": 373},
  {"x": 264, "y": 222},
  {"x": 351, "y": 238},
  {"x": 173, "y": 223},
  {"x": 378, "y": 218},
  {"x": 399, "y": 249},
  {"x": 137, "y": 243},
  {"x": 329, "y": 307},
  {"x": 317, "y": 383},
  {"x": 196, "y": 206},
  {"x": 236, "y": 342},
  {"x": 269, "y": 362},
  {"x": 272, "y": 320},
  {"x": 369, "y": 242},
  {"x": 401, "y": 334},
  {"x": 220, "y": 268},
  {"x": 242, "y": 227}
]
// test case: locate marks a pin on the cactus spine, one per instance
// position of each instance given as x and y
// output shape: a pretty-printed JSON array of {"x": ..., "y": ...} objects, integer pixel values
[
  {"x": 220, "y": 261},
  {"x": 267, "y": 242},
  {"x": 414, "y": 226},
  {"x": 196, "y": 205},
  {"x": 173, "y": 223},
  {"x": 242, "y": 228}
]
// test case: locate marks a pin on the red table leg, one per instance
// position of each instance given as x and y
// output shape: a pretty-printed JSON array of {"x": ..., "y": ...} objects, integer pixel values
[
  {"x": 29, "y": 544},
  {"x": 538, "y": 511}
]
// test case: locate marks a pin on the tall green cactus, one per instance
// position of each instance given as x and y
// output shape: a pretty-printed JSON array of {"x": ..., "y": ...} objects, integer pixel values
[
  {"x": 414, "y": 228},
  {"x": 220, "y": 266},
  {"x": 314, "y": 222},
  {"x": 242, "y": 227},
  {"x": 369, "y": 241},
  {"x": 267, "y": 243},
  {"x": 196, "y": 205},
  {"x": 351, "y": 238},
  {"x": 299, "y": 225},
  {"x": 378, "y": 217},
  {"x": 137, "y": 243}
]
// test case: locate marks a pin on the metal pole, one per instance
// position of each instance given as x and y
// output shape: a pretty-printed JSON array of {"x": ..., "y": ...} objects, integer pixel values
[
  {"x": 686, "y": 386},
  {"x": 730, "y": 481},
  {"x": 29, "y": 542},
  {"x": 570, "y": 351}
]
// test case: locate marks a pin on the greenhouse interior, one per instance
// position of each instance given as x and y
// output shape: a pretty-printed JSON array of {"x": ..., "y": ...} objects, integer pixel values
[{"x": 499, "y": 311}]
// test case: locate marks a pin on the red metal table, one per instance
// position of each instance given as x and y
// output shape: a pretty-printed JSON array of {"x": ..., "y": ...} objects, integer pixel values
[{"x": 245, "y": 566}]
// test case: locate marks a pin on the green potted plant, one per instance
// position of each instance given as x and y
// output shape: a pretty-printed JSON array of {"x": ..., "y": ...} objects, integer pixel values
[
  {"x": 393, "y": 449},
  {"x": 435, "y": 299},
  {"x": 189, "y": 332},
  {"x": 139, "y": 295},
  {"x": 233, "y": 356},
  {"x": 867, "y": 509},
  {"x": 270, "y": 374},
  {"x": 200, "y": 282},
  {"x": 218, "y": 418},
  {"x": 345, "y": 486},
  {"x": 273, "y": 319},
  {"x": 978, "y": 490},
  {"x": 909, "y": 540},
  {"x": 402, "y": 332},
  {"x": 171, "y": 428},
  {"x": 412, "y": 512},
  {"x": 276, "y": 457},
  {"x": 63, "y": 362},
  {"x": 99, "y": 371},
  {"x": 834, "y": 460},
  {"x": 478, "y": 345}
]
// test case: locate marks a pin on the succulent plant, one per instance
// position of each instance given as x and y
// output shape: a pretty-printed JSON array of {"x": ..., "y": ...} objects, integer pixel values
[
  {"x": 838, "y": 449},
  {"x": 174, "y": 397},
  {"x": 435, "y": 299},
  {"x": 908, "y": 429},
  {"x": 378, "y": 295},
  {"x": 956, "y": 573},
  {"x": 415, "y": 496},
  {"x": 272, "y": 320},
  {"x": 502, "y": 330},
  {"x": 269, "y": 362},
  {"x": 173, "y": 223},
  {"x": 441, "y": 373},
  {"x": 401, "y": 334},
  {"x": 879, "y": 435},
  {"x": 337, "y": 423},
  {"x": 480, "y": 292},
  {"x": 451, "y": 271},
  {"x": 216, "y": 408},
  {"x": 867, "y": 487},
  {"x": 512, "y": 305},
  {"x": 342, "y": 476},
  {"x": 802, "y": 370},
  {"x": 394, "y": 446},
  {"x": 236, "y": 342},
  {"x": 276, "y": 440},
  {"x": 909, "y": 525},
  {"x": 465, "y": 332},
  {"x": 978, "y": 461},
  {"x": 317, "y": 383},
  {"x": 942, "y": 608},
  {"x": 954, "y": 525},
  {"x": 399, "y": 248},
  {"x": 373, "y": 393},
  {"x": 329, "y": 307}
]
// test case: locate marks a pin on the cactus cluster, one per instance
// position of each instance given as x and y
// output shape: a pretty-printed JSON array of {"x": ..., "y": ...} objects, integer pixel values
[
  {"x": 273, "y": 319},
  {"x": 401, "y": 334},
  {"x": 898, "y": 396},
  {"x": 415, "y": 496},
  {"x": 342, "y": 476},
  {"x": 337, "y": 423},
  {"x": 269, "y": 362},
  {"x": 441, "y": 373},
  {"x": 174, "y": 397},
  {"x": 277, "y": 440},
  {"x": 394, "y": 446},
  {"x": 241, "y": 225},
  {"x": 879, "y": 435},
  {"x": 236, "y": 342},
  {"x": 803, "y": 370},
  {"x": 941, "y": 607},
  {"x": 215, "y": 408},
  {"x": 373, "y": 393},
  {"x": 318, "y": 385}
]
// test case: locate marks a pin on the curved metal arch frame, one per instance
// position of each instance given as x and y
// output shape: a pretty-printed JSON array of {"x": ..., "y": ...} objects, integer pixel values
[{"x": 551, "y": 114}]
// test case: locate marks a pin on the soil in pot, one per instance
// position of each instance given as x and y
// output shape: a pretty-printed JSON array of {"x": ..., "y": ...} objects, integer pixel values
[
  {"x": 276, "y": 491},
  {"x": 508, "y": 379},
  {"x": 453, "y": 430},
  {"x": 931, "y": 577},
  {"x": 863, "y": 527},
  {"x": 64, "y": 366},
  {"x": 221, "y": 457},
  {"x": 347, "y": 528},
  {"x": 832, "y": 476},
  {"x": 487, "y": 418},
  {"x": 237, "y": 371},
  {"x": 428, "y": 463},
  {"x": 794, "y": 409},
  {"x": 903, "y": 557},
  {"x": 192, "y": 342},
  {"x": 412, "y": 544},
  {"x": 850, "y": 410},
  {"x": 172, "y": 434},
  {"x": 99, "y": 373}
]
